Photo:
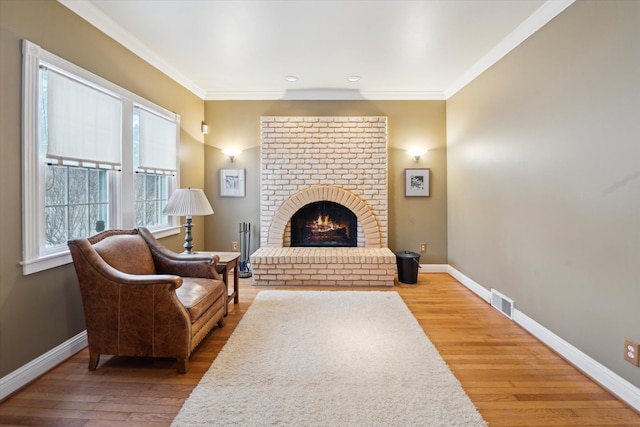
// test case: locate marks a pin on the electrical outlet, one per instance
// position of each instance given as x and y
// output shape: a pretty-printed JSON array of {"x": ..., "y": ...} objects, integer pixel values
[
  {"x": 631, "y": 350},
  {"x": 423, "y": 248},
  {"x": 234, "y": 246}
]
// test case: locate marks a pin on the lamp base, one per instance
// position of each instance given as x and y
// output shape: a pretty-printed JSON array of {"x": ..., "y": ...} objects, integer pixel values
[{"x": 188, "y": 246}]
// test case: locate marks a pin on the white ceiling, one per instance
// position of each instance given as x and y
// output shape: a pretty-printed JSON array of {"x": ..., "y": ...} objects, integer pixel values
[{"x": 244, "y": 49}]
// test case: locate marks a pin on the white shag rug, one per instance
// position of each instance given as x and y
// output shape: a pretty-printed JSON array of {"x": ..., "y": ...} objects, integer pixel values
[{"x": 328, "y": 358}]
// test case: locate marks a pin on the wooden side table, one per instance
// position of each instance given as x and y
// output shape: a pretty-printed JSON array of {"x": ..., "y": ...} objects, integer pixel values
[{"x": 228, "y": 260}]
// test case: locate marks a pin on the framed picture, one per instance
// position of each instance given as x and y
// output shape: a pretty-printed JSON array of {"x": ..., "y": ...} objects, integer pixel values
[
  {"x": 416, "y": 182},
  {"x": 232, "y": 183}
]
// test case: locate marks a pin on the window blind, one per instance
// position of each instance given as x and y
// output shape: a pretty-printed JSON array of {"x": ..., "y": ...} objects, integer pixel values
[
  {"x": 157, "y": 142},
  {"x": 83, "y": 122}
]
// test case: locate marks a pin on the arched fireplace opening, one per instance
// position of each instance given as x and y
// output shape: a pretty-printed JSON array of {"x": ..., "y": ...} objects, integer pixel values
[{"x": 324, "y": 224}]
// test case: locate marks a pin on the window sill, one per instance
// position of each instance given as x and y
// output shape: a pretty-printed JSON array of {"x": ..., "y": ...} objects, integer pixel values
[
  {"x": 63, "y": 257},
  {"x": 46, "y": 262},
  {"x": 166, "y": 231}
]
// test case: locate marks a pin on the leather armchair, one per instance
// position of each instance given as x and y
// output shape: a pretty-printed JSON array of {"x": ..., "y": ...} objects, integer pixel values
[{"x": 140, "y": 299}]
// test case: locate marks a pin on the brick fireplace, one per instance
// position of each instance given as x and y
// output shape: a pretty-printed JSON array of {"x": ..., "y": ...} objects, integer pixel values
[{"x": 305, "y": 160}]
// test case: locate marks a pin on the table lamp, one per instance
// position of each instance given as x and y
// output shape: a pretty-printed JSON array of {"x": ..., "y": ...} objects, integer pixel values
[{"x": 188, "y": 202}]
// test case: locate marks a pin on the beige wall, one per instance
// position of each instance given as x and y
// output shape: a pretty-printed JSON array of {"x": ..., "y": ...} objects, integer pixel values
[
  {"x": 541, "y": 199},
  {"x": 410, "y": 123},
  {"x": 42, "y": 310},
  {"x": 544, "y": 178}
]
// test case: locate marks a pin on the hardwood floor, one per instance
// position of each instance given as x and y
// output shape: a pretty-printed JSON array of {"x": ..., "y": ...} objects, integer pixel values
[{"x": 511, "y": 377}]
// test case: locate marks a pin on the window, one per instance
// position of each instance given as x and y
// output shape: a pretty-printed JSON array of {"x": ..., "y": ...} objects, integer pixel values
[
  {"x": 76, "y": 203},
  {"x": 154, "y": 153},
  {"x": 95, "y": 156},
  {"x": 152, "y": 194}
]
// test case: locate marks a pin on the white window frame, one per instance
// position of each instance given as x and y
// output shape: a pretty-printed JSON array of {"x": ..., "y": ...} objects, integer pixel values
[{"x": 35, "y": 257}]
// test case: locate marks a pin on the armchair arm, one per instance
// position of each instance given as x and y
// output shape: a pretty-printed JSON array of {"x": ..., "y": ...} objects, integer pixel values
[{"x": 169, "y": 262}]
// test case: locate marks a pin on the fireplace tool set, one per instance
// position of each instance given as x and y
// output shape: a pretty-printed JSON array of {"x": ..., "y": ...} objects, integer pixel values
[{"x": 245, "y": 245}]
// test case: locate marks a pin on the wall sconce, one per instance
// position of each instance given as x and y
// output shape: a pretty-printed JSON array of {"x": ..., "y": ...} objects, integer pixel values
[
  {"x": 205, "y": 128},
  {"x": 416, "y": 153},
  {"x": 232, "y": 153}
]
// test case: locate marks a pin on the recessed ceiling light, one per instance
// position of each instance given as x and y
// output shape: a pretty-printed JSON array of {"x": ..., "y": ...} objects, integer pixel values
[
  {"x": 353, "y": 78},
  {"x": 291, "y": 79}
]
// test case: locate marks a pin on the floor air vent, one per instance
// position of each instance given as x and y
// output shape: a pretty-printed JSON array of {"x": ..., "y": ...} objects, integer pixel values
[{"x": 501, "y": 303}]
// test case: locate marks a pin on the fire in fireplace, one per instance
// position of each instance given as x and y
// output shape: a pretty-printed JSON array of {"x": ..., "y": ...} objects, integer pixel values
[{"x": 324, "y": 224}]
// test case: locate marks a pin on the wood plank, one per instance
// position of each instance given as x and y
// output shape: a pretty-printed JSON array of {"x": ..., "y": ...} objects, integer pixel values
[{"x": 512, "y": 378}]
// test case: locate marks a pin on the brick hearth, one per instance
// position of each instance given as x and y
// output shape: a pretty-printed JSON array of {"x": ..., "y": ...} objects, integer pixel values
[{"x": 324, "y": 266}]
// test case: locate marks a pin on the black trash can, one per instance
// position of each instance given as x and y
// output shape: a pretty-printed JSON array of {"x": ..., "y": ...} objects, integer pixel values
[{"x": 408, "y": 264}]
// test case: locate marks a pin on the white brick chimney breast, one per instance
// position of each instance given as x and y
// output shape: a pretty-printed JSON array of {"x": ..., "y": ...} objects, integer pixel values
[{"x": 338, "y": 159}]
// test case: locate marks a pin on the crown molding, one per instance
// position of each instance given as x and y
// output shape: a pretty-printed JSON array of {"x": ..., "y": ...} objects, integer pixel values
[
  {"x": 87, "y": 11},
  {"x": 243, "y": 96},
  {"x": 545, "y": 13},
  {"x": 405, "y": 96},
  {"x": 325, "y": 94}
]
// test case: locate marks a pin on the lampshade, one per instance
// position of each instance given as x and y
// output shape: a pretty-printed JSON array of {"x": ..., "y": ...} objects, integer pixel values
[
  {"x": 188, "y": 202},
  {"x": 416, "y": 153},
  {"x": 232, "y": 153}
]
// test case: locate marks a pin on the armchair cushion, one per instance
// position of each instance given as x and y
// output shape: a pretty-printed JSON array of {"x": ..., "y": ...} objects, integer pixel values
[
  {"x": 198, "y": 295},
  {"x": 127, "y": 253}
]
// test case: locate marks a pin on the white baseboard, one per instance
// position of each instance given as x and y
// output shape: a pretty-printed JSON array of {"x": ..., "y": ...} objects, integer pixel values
[
  {"x": 476, "y": 288},
  {"x": 594, "y": 369},
  {"x": 433, "y": 268},
  {"x": 22, "y": 376},
  {"x": 613, "y": 382}
]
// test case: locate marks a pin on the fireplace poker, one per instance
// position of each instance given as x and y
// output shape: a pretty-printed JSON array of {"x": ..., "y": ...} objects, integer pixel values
[{"x": 245, "y": 242}]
